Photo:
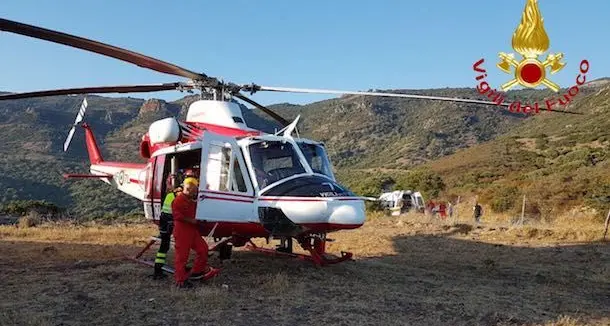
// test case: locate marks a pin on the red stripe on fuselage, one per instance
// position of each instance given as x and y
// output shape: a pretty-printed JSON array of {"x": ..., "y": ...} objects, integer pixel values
[
  {"x": 204, "y": 197},
  {"x": 225, "y": 193},
  {"x": 125, "y": 165},
  {"x": 305, "y": 199}
]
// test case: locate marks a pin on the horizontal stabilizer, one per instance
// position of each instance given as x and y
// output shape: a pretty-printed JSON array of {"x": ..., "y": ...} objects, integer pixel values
[{"x": 84, "y": 176}]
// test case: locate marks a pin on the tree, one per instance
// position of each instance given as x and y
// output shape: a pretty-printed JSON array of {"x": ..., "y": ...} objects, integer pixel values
[{"x": 426, "y": 181}]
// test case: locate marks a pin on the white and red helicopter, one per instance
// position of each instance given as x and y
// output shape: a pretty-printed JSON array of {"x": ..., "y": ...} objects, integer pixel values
[{"x": 252, "y": 184}]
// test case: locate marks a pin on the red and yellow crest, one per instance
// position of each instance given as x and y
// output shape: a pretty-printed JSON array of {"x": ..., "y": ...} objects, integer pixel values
[{"x": 531, "y": 40}]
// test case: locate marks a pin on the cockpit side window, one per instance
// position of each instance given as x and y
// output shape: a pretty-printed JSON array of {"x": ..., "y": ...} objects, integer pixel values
[{"x": 317, "y": 159}]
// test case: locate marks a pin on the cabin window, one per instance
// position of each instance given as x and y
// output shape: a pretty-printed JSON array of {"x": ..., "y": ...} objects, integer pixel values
[
  {"x": 219, "y": 161},
  {"x": 238, "y": 183},
  {"x": 224, "y": 171},
  {"x": 159, "y": 181}
]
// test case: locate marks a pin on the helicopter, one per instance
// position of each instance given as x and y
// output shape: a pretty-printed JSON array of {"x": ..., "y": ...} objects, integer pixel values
[{"x": 252, "y": 184}]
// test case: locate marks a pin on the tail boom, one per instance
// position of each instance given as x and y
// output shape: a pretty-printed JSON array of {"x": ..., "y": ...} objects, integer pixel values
[{"x": 129, "y": 178}]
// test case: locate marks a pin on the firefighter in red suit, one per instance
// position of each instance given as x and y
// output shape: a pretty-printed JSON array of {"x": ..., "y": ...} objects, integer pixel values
[{"x": 187, "y": 236}]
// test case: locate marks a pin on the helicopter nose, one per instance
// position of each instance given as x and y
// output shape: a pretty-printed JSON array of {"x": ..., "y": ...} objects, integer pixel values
[
  {"x": 314, "y": 203},
  {"x": 296, "y": 215},
  {"x": 347, "y": 213}
]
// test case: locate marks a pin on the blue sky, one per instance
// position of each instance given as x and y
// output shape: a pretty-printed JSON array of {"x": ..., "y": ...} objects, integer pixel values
[{"x": 349, "y": 45}]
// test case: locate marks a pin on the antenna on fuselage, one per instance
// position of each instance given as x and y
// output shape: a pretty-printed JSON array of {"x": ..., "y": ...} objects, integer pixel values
[{"x": 286, "y": 131}]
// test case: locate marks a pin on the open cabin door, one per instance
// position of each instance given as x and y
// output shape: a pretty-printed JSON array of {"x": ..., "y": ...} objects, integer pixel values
[
  {"x": 153, "y": 187},
  {"x": 226, "y": 193}
]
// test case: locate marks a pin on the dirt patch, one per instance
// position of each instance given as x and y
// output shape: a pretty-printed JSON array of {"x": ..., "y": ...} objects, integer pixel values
[
  {"x": 412, "y": 273},
  {"x": 528, "y": 143}
]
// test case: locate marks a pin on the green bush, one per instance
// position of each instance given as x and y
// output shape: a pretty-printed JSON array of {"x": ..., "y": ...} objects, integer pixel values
[
  {"x": 428, "y": 182},
  {"x": 501, "y": 198},
  {"x": 23, "y": 207},
  {"x": 599, "y": 198}
]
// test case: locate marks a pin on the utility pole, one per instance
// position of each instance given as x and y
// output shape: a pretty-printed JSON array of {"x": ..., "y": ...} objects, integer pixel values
[
  {"x": 456, "y": 210},
  {"x": 522, "y": 211},
  {"x": 607, "y": 221}
]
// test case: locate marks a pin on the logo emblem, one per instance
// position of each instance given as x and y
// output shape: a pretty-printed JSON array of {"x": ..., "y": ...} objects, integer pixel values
[
  {"x": 121, "y": 177},
  {"x": 530, "y": 40}
]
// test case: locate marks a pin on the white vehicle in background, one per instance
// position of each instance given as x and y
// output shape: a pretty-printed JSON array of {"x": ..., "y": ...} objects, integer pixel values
[{"x": 402, "y": 201}]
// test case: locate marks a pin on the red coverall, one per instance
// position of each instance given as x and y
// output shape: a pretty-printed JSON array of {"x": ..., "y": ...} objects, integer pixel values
[{"x": 187, "y": 237}]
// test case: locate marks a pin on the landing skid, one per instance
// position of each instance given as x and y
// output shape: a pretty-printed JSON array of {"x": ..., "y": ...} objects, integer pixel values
[
  {"x": 316, "y": 249},
  {"x": 137, "y": 258}
]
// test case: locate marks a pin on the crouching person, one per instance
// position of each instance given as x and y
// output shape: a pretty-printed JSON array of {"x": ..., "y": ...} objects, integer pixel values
[{"x": 187, "y": 237}]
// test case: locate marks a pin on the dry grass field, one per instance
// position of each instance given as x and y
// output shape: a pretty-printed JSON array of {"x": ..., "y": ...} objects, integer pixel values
[{"x": 406, "y": 271}]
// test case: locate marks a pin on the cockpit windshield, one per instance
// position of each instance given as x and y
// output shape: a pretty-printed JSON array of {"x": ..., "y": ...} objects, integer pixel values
[
  {"x": 273, "y": 161},
  {"x": 317, "y": 159}
]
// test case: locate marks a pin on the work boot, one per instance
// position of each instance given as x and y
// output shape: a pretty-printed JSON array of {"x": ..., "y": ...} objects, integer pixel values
[
  {"x": 208, "y": 274},
  {"x": 184, "y": 285},
  {"x": 211, "y": 272},
  {"x": 158, "y": 274},
  {"x": 196, "y": 276}
]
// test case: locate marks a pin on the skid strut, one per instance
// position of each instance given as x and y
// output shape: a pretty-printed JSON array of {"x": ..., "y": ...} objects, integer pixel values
[
  {"x": 316, "y": 250},
  {"x": 314, "y": 245},
  {"x": 137, "y": 258}
]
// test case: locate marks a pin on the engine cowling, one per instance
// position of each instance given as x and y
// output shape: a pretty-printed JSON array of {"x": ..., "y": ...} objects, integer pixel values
[
  {"x": 164, "y": 131},
  {"x": 145, "y": 147}
]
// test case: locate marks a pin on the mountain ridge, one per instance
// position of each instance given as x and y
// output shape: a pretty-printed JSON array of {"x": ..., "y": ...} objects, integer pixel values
[{"x": 360, "y": 133}]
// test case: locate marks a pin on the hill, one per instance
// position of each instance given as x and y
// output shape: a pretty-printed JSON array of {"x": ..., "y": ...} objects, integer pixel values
[
  {"x": 367, "y": 132},
  {"x": 32, "y": 133},
  {"x": 557, "y": 161},
  {"x": 360, "y": 133}
]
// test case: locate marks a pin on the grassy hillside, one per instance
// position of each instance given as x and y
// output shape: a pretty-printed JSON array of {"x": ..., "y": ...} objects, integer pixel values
[
  {"x": 557, "y": 161},
  {"x": 32, "y": 133},
  {"x": 366, "y": 132},
  {"x": 364, "y": 135},
  {"x": 32, "y": 161}
]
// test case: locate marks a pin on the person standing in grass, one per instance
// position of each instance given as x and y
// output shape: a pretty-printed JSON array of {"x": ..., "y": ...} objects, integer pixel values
[
  {"x": 478, "y": 211},
  {"x": 187, "y": 237}
]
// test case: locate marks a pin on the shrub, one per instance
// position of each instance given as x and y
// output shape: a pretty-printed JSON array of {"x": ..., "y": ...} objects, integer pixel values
[
  {"x": 429, "y": 183},
  {"x": 30, "y": 220},
  {"x": 23, "y": 207},
  {"x": 501, "y": 198}
]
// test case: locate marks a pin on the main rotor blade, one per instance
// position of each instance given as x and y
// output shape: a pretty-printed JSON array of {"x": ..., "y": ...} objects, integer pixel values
[
  {"x": 93, "y": 90},
  {"x": 274, "y": 115},
  {"x": 426, "y": 97},
  {"x": 100, "y": 48}
]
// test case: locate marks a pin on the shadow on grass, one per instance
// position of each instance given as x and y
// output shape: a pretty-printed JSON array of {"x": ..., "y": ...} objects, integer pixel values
[{"x": 431, "y": 280}]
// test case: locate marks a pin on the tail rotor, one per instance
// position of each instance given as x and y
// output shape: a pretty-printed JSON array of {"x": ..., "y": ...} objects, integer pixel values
[{"x": 79, "y": 117}]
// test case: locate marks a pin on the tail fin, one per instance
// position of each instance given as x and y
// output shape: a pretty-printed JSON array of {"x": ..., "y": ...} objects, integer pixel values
[
  {"x": 94, "y": 151},
  {"x": 79, "y": 117}
]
